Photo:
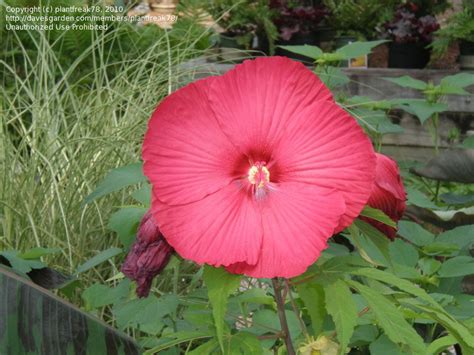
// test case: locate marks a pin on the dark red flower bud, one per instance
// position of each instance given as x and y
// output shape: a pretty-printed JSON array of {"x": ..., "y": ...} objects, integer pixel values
[
  {"x": 388, "y": 194},
  {"x": 148, "y": 256}
]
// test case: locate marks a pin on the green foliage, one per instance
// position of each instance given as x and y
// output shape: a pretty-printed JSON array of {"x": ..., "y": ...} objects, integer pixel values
[
  {"x": 460, "y": 27},
  {"x": 245, "y": 20},
  {"x": 220, "y": 285},
  {"x": 342, "y": 308},
  {"x": 361, "y": 17}
]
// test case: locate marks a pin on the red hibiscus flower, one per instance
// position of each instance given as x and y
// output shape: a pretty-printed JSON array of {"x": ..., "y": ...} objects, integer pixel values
[
  {"x": 148, "y": 256},
  {"x": 388, "y": 194},
  {"x": 255, "y": 169}
]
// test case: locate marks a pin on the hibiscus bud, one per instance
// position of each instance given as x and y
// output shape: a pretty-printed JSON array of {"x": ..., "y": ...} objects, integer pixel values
[
  {"x": 388, "y": 194},
  {"x": 148, "y": 256}
]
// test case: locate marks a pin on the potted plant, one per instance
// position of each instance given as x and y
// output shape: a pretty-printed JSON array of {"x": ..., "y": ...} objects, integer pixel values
[
  {"x": 246, "y": 24},
  {"x": 297, "y": 23},
  {"x": 460, "y": 29},
  {"x": 410, "y": 33},
  {"x": 358, "y": 21}
]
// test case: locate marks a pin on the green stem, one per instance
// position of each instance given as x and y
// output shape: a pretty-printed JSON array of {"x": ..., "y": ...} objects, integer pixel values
[{"x": 282, "y": 316}]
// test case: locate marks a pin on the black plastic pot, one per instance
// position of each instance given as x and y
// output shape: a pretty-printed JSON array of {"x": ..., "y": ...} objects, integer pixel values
[
  {"x": 466, "y": 57},
  {"x": 297, "y": 39},
  {"x": 408, "y": 55}
]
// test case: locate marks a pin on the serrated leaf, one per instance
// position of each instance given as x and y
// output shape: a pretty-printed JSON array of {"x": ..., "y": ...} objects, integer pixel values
[
  {"x": 408, "y": 82},
  {"x": 116, "y": 180},
  {"x": 423, "y": 109},
  {"x": 333, "y": 77},
  {"x": 312, "y": 52},
  {"x": 414, "y": 233},
  {"x": 390, "y": 319},
  {"x": 99, "y": 259},
  {"x": 343, "y": 310},
  {"x": 312, "y": 296},
  {"x": 220, "y": 285},
  {"x": 99, "y": 295},
  {"x": 457, "y": 266},
  {"x": 145, "y": 314},
  {"x": 375, "y": 243}
]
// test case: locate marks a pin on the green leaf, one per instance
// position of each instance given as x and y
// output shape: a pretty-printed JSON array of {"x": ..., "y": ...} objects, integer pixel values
[
  {"x": 384, "y": 346},
  {"x": 461, "y": 236},
  {"x": 441, "y": 249},
  {"x": 312, "y": 52},
  {"x": 145, "y": 314},
  {"x": 390, "y": 319},
  {"x": 408, "y": 82},
  {"x": 98, "y": 259},
  {"x": 255, "y": 295},
  {"x": 402, "y": 284},
  {"x": 243, "y": 343},
  {"x": 312, "y": 295},
  {"x": 143, "y": 195},
  {"x": 440, "y": 344},
  {"x": 429, "y": 265},
  {"x": 117, "y": 179},
  {"x": 373, "y": 242},
  {"x": 38, "y": 322},
  {"x": 357, "y": 49},
  {"x": 220, "y": 285},
  {"x": 36, "y": 253},
  {"x": 414, "y": 233},
  {"x": 125, "y": 222},
  {"x": 179, "y": 338},
  {"x": 333, "y": 77},
  {"x": 377, "y": 215},
  {"x": 267, "y": 321},
  {"x": 403, "y": 253},
  {"x": 343, "y": 310},
  {"x": 460, "y": 80},
  {"x": 99, "y": 295},
  {"x": 21, "y": 265},
  {"x": 417, "y": 198},
  {"x": 457, "y": 266},
  {"x": 423, "y": 109}
]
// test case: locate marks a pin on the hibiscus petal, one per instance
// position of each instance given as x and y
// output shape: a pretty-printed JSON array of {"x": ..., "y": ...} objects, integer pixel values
[
  {"x": 254, "y": 102},
  {"x": 222, "y": 228},
  {"x": 297, "y": 219},
  {"x": 325, "y": 146},
  {"x": 186, "y": 154}
]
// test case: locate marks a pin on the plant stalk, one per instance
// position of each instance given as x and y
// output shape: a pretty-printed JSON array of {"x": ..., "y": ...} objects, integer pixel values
[{"x": 282, "y": 316}]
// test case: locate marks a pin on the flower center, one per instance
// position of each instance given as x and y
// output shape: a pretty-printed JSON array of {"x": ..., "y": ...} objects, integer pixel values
[{"x": 259, "y": 175}]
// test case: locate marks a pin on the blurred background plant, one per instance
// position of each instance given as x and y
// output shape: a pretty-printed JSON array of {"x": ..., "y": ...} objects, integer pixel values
[{"x": 247, "y": 23}]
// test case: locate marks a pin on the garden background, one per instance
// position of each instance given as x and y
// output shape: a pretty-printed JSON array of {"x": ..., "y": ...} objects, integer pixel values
[{"x": 74, "y": 107}]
